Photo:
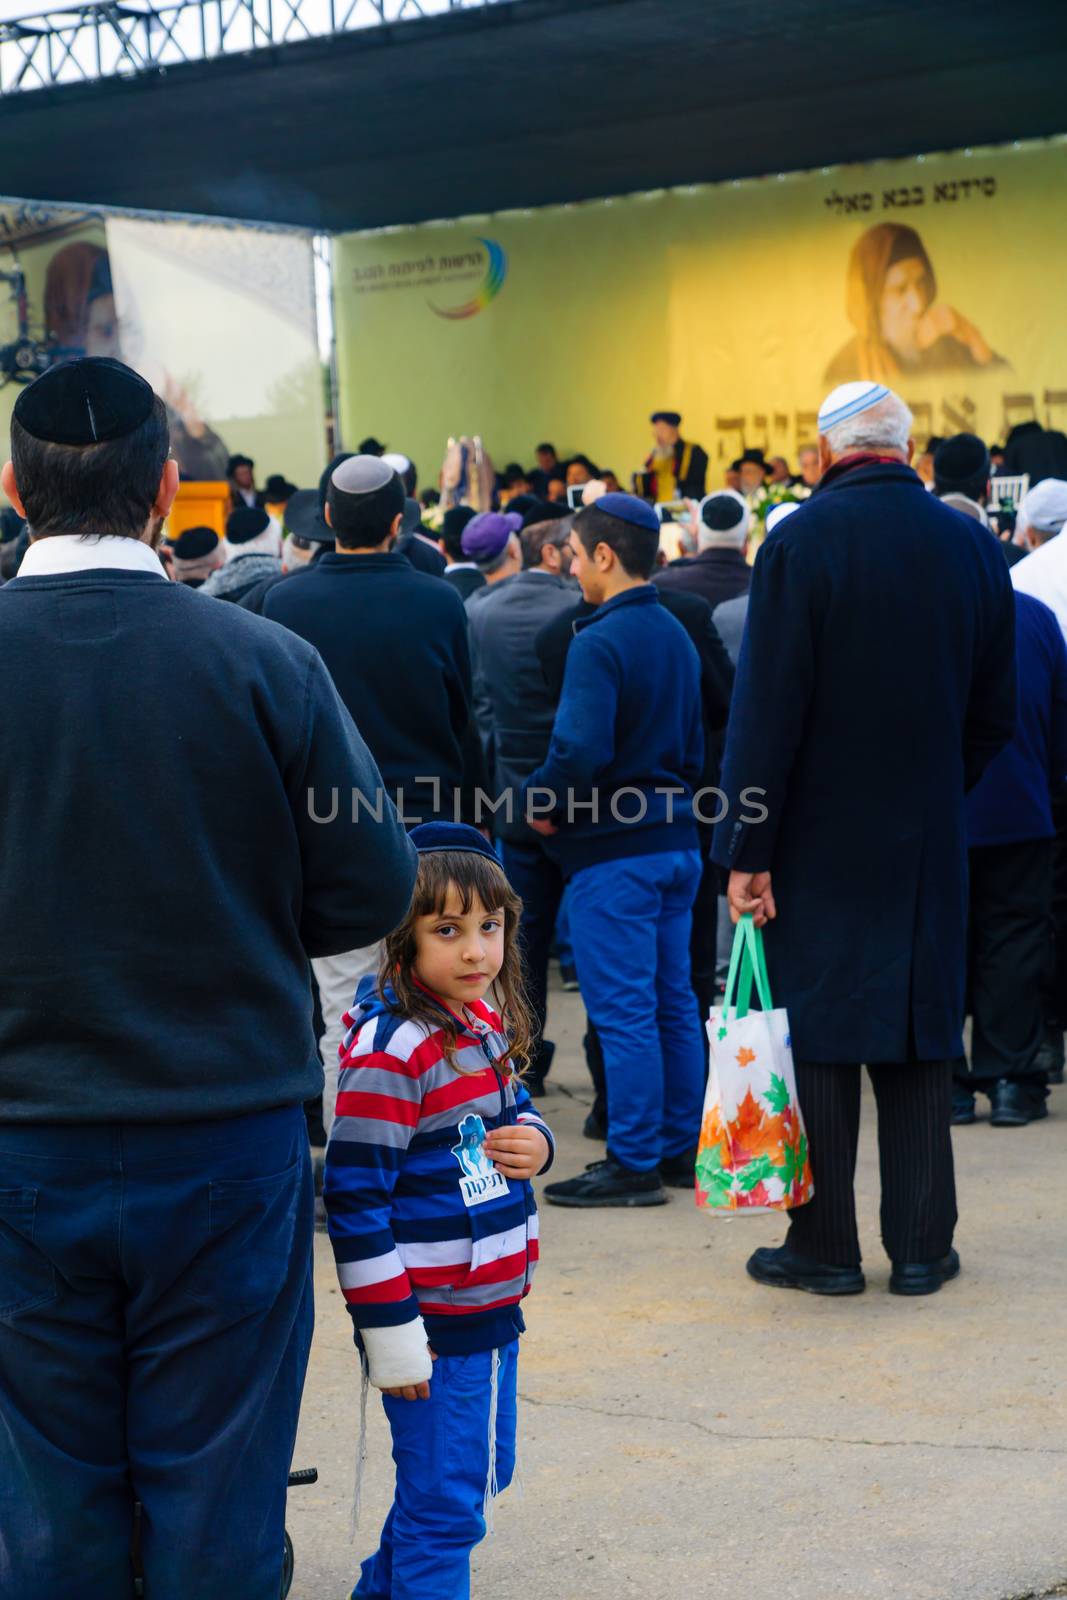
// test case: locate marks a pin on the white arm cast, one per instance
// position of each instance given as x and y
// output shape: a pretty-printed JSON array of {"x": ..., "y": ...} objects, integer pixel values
[{"x": 398, "y": 1356}]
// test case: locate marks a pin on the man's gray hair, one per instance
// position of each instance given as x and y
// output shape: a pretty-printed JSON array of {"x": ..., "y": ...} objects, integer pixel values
[
  {"x": 512, "y": 548},
  {"x": 727, "y": 504},
  {"x": 884, "y": 426}
]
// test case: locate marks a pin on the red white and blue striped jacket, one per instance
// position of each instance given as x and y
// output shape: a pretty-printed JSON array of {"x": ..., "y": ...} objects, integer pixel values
[{"x": 420, "y": 1221}]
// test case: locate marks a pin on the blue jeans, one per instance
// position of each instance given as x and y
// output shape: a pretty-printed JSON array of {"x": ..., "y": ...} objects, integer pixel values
[
  {"x": 155, "y": 1320},
  {"x": 630, "y": 922},
  {"x": 441, "y": 1450}
]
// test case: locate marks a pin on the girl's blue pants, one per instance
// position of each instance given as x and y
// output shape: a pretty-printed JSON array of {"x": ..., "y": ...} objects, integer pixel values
[{"x": 441, "y": 1450}]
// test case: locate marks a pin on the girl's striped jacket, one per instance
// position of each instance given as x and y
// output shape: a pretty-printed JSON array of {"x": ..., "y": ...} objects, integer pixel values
[{"x": 420, "y": 1221}]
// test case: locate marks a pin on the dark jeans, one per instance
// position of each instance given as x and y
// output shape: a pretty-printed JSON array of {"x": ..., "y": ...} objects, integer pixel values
[
  {"x": 155, "y": 1320},
  {"x": 1056, "y": 976},
  {"x": 915, "y": 1153},
  {"x": 534, "y": 874},
  {"x": 1009, "y": 958}
]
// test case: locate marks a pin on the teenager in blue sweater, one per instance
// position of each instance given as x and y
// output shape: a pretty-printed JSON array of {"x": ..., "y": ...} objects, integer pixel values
[
  {"x": 431, "y": 1213},
  {"x": 617, "y": 790}
]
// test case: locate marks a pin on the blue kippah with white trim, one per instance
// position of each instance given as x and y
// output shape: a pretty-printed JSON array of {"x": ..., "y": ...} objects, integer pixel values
[{"x": 848, "y": 400}]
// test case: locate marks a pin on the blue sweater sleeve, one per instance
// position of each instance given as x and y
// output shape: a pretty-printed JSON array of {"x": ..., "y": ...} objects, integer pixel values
[
  {"x": 529, "y": 1116},
  {"x": 378, "y": 1102},
  {"x": 1058, "y": 725}
]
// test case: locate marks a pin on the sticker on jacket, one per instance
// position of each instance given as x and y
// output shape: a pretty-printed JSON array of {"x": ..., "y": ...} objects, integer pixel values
[{"x": 480, "y": 1181}]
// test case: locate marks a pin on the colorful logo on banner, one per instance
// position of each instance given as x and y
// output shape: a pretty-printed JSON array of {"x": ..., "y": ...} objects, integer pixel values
[{"x": 496, "y": 272}]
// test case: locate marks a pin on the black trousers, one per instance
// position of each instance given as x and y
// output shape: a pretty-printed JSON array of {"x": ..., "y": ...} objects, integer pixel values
[
  {"x": 535, "y": 876},
  {"x": 915, "y": 1154},
  {"x": 703, "y": 942},
  {"x": 1009, "y": 957},
  {"x": 1056, "y": 981}
]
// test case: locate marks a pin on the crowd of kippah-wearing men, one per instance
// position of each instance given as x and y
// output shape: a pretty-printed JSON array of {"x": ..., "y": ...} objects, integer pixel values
[{"x": 894, "y": 693}]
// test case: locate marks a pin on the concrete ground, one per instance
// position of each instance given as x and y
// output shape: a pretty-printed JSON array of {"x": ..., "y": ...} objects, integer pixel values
[{"x": 684, "y": 1431}]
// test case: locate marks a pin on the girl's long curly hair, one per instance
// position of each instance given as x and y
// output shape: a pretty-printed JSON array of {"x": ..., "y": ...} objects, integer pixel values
[{"x": 476, "y": 880}]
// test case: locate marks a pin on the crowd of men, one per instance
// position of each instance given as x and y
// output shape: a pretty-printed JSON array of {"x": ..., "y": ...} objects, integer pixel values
[
  {"x": 459, "y": 707},
  {"x": 459, "y": 703},
  {"x": 860, "y": 741}
]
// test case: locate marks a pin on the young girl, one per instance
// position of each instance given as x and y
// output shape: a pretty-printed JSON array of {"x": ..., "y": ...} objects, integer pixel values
[{"x": 430, "y": 1208}]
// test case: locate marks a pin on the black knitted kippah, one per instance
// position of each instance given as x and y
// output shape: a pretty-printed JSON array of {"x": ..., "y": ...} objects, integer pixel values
[
  {"x": 194, "y": 543},
  {"x": 246, "y": 523},
  {"x": 90, "y": 401},
  {"x": 961, "y": 458}
]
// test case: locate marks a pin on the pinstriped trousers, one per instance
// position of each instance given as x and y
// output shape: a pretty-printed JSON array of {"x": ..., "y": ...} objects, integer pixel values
[{"x": 915, "y": 1155}]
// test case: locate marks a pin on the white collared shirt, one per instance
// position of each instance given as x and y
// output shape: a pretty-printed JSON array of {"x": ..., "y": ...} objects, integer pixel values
[
  {"x": 71, "y": 552},
  {"x": 1043, "y": 574}
]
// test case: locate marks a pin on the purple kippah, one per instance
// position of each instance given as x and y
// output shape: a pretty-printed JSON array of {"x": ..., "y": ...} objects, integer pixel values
[{"x": 485, "y": 537}]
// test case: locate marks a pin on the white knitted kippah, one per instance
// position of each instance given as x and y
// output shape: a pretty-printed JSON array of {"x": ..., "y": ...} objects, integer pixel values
[{"x": 848, "y": 400}]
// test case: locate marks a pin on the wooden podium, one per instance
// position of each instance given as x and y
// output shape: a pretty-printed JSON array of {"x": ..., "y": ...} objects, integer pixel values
[{"x": 199, "y": 505}]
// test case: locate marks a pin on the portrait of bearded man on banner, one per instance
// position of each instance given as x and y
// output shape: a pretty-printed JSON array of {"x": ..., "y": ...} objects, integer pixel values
[
  {"x": 901, "y": 329},
  {"x": 81, "y": 315}
]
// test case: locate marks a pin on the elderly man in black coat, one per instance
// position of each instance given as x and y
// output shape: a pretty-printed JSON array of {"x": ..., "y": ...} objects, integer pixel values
[{"x": 876, "y": 681}]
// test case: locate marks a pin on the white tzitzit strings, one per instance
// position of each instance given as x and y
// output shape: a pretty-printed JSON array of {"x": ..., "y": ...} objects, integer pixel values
[
  {"x": 490, "y": 1480},
  {"x": 361, "y": 1447}
]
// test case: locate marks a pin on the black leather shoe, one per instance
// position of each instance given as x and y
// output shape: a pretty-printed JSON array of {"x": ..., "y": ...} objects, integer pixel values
[
  {"x": 962, "y": 1108},
  {"x": 593, "y": 1128},
  {"x": 1015, "y": 1104},
  {"x": 679, "y": 1172},
  {"x": 923, "y": 1277},
  {"x": 785, "y": 1269},
  {"x": 606, "y": 1183}
]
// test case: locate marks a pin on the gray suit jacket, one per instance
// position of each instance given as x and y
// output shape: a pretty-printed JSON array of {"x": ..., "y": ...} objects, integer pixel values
[
  {"x": 729, "y": 618},
  {"x": 513, "y": 707}
]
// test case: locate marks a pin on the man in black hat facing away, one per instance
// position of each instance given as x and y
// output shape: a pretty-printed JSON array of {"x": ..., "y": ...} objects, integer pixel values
[
  {"x": 167, "y": 874},
  {"x": 678, "y": 469}
]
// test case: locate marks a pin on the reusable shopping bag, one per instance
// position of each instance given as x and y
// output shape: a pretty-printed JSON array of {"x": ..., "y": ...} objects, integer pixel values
[{"x": 753, "y": 1151}]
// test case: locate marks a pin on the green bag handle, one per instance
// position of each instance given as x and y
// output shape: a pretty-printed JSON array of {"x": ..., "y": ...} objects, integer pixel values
[{"x": 747, "y": 962}]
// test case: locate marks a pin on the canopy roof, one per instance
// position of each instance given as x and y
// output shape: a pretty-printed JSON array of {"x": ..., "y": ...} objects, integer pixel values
[{"x": 541, "y": 101}]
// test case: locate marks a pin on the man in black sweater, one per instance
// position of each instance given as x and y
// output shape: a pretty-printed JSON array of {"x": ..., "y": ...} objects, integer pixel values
[
  {"x": 170, "y": 861},
  {"x": 395, "y": 643}
]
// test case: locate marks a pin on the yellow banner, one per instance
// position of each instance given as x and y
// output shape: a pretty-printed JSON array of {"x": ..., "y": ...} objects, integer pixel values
[{"x": 740, "y": 305}]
